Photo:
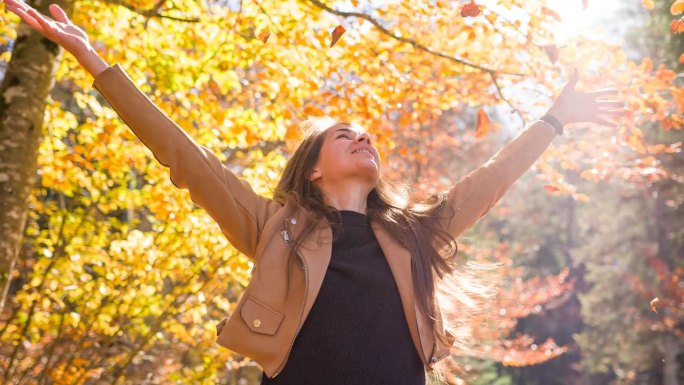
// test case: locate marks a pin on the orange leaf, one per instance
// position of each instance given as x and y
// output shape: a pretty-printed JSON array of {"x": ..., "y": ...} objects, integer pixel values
[
  {"x": 214, "y": 87},
  {"x": 264, "y": 35},
  {"x": 483, "y": 124},
  {"x": 677, "y": 26},
  {"x": 551, "y": 188},
  {"x": 336, "y": 34},
  {"x": 552, "y": 52},
  {"x": 648, "y": 4},
  {"x": 550, "y": 12},
  {"x": 292, "y": 133},
  {"x": 470, "y": 10},
  {"x": 654, "y": 303},
  {"x": 681, "y": 59},
  {"x": 677, "y": 7}
]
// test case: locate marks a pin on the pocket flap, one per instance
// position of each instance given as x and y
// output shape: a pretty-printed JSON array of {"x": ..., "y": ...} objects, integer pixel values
[{"x": 259, "y": 317}]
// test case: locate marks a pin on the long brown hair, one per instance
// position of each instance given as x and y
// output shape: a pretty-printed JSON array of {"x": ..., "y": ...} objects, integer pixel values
[{"x": 413, "y": 225}]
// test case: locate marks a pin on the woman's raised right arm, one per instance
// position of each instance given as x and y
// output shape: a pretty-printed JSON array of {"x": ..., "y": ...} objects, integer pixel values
[{"x": 229, "y": 200}]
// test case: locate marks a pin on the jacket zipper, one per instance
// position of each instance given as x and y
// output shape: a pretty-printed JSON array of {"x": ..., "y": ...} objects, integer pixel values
[{"x": 286, "y": 237}]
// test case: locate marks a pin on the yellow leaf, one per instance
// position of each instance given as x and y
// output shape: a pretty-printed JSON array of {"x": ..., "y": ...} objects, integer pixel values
[{"x": 648, "y": 4}]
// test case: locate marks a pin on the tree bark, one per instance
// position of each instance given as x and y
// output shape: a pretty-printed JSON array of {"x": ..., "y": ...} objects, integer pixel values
[
  {"x": 670, "y": 367},
  {"x": 23, "y": 96}
]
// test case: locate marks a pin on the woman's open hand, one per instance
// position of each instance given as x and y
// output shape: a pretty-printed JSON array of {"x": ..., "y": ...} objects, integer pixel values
[
  {"x": 60, "y": 29},
  {"x": 596, "y": 107}
]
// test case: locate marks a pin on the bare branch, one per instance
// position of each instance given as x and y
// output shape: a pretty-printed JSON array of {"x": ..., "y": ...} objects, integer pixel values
[
  {"x": 153, "y": 12},
  {"x": 411, "y": 42},
  {"x": 275, "y": 25},
  {"x": 505, "y": 99},
  {"x": 492, "y": 72}
]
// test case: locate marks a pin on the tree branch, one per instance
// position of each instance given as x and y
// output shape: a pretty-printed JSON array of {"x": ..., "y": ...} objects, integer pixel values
[
  {"x": 492, "y": 72},
  {"x": 152, "y": 12},
  {"x": 411, "y": 42},
  {"x": 505, "y": 99}
]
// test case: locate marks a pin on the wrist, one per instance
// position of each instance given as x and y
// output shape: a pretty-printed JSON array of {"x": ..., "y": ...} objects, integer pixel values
[
  {"x": 91, "y": 61},
  {"x": 559, "y": 115},
  {"x": 553, "y": 122}
]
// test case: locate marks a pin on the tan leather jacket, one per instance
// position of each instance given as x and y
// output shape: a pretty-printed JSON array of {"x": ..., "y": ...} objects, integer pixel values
[{"x": 269, "y": 314}]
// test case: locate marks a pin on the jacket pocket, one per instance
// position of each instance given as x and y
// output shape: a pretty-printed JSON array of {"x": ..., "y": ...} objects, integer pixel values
[{"x": 259, "y": 317}]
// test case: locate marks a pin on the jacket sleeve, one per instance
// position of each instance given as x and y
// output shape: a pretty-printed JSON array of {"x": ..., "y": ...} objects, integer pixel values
[
  {"x": 476, "y": 193},
  {"x": 229, "y": 200}
]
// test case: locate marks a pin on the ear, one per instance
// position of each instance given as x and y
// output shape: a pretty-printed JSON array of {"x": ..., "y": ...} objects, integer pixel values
[{"x": 315, "y": 175}]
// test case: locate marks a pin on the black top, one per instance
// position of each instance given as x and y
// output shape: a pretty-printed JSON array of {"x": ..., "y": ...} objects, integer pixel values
[{"x": 356, "y": 332}]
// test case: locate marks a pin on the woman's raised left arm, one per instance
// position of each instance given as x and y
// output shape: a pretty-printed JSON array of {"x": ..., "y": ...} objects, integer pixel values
[{"x": 476, "y": 193}]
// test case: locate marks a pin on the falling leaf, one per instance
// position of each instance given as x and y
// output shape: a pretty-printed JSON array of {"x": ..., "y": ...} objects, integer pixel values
[
  {"x": 552, "y": 52},
  {"x": 264, "y": 35},
  {"x": 483, "y": 124},
  {"x": 551, "y": 13},
  {"x": 654, "y": 303},
  {"x": 551, "y": 188},
  {"x": 677, "y": 7},
  {"x": 677, "y": 26},
  {"x": 336, "y": 34},
  {"x": 585, "y": 4},
  {"x": 648, "y": 4},
  {"x": 470, "y": 10},
  {"x": 681, "y": 59}
]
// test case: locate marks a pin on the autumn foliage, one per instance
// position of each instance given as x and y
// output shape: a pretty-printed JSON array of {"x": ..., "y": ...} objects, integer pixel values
[{"x": 122, "y": 277}]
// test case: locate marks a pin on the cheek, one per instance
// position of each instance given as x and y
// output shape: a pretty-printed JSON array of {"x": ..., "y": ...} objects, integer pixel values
[
  {"x": 327, "y": 158},
  {"x": 331, "y": 155}
]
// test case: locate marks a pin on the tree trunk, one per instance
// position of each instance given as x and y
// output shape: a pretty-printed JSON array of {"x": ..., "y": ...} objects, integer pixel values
[
  {"x": 23, "y": 97},
  {"x": 671, "y": 367}
]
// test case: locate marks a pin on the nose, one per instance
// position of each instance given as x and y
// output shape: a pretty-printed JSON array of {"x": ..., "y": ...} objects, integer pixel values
[{"x": 363, "y": 136}]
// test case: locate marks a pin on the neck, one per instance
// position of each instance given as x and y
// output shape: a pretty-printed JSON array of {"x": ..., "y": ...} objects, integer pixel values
[{"x": 347, "y": 197}]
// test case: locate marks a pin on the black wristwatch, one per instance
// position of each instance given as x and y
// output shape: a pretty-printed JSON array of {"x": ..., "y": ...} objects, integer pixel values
[{"x": 554, "y": 122}]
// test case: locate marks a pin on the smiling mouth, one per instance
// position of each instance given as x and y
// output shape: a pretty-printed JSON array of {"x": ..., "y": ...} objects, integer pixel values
[{"x": 362, "y": 152}]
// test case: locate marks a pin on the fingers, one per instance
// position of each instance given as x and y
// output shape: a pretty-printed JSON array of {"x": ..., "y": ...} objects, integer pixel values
[
  {"x": 603, "y": 93},
  {"x": 604, "y": 122},
  {"x": 30, "y": 20},
  {"x": 610, "y": 104},
  {"x": 16, "y": 4},
  {"x": 614, "y": 113},
  {"x": 58, "y": 13},
  {"x": 44, "y": 22}
]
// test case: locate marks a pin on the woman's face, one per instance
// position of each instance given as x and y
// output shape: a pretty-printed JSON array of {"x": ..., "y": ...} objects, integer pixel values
[{"x": 347, "y": 154}]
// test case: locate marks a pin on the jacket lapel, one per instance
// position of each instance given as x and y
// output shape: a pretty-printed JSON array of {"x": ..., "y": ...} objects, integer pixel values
[
  {"x": 399, "y": 260},
  {"x": 316, "y": 251}
]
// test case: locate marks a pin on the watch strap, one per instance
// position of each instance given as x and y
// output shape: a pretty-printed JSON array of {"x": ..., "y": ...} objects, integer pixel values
[{"x": 554, "y": 122}]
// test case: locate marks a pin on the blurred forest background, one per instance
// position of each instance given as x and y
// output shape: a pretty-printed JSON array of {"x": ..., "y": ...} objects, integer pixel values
[{"x": 110, "y": 275}]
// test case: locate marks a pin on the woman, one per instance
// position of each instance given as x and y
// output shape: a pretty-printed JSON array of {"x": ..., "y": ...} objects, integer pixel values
[{"x": 348, "y": 275}]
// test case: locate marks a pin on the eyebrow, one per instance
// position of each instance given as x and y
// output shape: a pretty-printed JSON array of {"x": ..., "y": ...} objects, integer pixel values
[{"x": 348, "y": 130}]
